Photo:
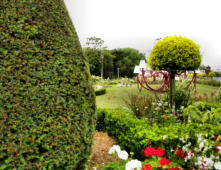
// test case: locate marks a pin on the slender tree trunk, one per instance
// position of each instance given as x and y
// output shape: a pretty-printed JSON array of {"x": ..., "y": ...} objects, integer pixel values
[{"x": 172, "y": 91}]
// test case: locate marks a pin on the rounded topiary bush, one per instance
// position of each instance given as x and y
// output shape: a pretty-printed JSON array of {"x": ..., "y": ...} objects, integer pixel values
[
  {"x": 175, "y": 54},
  {"x": 47, "y": 103},
  {"x": 211, "y": 74}
]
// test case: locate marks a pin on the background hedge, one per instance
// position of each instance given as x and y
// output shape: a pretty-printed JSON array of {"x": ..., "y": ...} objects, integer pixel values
[{"x": 47, "y": 102}]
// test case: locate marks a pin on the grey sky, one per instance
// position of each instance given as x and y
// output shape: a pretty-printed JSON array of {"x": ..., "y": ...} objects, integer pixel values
[{"x": 137, "y": 23}]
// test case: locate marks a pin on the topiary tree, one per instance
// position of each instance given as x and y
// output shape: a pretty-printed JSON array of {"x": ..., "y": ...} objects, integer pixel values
[
  {"x": 47, "y": 103},
  {"x": 203, "y": 75},
  {"x": 175, "y": 55},
  {"x": 211, "y": 74}
]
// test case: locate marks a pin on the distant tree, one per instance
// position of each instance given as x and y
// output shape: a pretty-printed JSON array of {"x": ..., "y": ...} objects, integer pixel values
[
  {"x": 208, "y": 69},
  {"x": 108, "y": 61},
  {"x": 94, "y": 51},
  {"x": 95, "y": 43},
  {"x": 202, "y": 67},
  {"x": 175, "y": 54},
  {"x": 126, "y": 59},
  {"x": 94, "y": 59}
]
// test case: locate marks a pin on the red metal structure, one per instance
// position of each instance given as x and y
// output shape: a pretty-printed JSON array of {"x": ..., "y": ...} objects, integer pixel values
[{"x": 143, "y": 76}]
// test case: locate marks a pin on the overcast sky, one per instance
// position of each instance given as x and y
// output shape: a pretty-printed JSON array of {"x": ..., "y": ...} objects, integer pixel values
[{"x": 137, "y": 23}]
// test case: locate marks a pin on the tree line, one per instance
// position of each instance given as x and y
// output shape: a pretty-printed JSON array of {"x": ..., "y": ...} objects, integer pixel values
[{"x": 116, "y": 61}]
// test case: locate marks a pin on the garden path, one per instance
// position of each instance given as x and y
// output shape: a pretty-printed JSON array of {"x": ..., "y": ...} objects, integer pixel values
[{"x": 99, "y": 155}]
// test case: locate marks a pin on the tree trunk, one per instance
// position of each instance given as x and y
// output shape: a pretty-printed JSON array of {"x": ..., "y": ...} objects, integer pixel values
[{"x": 172, "y": 91}]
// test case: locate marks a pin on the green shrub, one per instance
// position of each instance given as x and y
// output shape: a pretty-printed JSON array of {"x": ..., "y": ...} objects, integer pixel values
[
  {"x": 95, "y": 79},
  {"x": 135, "y": 134},
  {"x": 100, "y": 91},
  {"x": 47, "y": 103},
  {"x": 211, "y": 74},
  {"x": 203, "y": 112}
]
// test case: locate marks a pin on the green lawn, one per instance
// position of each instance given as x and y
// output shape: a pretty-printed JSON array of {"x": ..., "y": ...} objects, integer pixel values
[{"x": 115, "y": 95}]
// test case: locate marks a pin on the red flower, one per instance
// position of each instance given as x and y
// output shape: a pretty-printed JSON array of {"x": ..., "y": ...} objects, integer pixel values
[
  {"x": 217, "y": 149},
  {"x": 147, "y": 167},
  {"x": 215, "y": 138},
  {"x": 179, "y": 153},
  {"x": 149, "y": 151},
  {"x": 164, "y": 161},
  {"x": 176, "y": 168},
  {"x": 159, "y": 152}
]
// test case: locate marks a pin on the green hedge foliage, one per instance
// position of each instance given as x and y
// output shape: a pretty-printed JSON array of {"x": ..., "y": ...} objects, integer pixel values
[
  {"x": 100, "y": 91},
  {"x": 135, "y": 134},
  {"x": 47, "y": 103},
  {"x": 209, "y": 82}
]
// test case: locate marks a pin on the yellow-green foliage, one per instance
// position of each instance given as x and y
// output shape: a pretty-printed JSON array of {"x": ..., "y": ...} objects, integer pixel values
[
  {"x": 203, "y": 75},
  {"x": 175, "y": 53},
  {"x": 211, "y": 74},
  {"x": 190, "y": 75},
  {"x": 219, "y": 73}
]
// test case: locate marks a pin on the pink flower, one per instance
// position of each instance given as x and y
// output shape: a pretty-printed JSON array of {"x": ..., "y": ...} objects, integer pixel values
[
  {"x": 159, "y": 152},
  {"x": 164, "y": 161},
  {"x": 147, "y": 167},
  {"x": 149, "y": 151}
]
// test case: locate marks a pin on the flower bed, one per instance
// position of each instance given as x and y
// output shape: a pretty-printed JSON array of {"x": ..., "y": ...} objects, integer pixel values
[{"x": 187, "y": 144}]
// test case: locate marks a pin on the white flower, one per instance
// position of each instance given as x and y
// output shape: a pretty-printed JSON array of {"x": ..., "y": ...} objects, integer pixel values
[
  {"x": 164, "y": 137},
  {"x": 115, "y": 148},
  {"x": 153, "y": 103},
  {"x": 133, "y": 164},
  {"x": 159, "y": 104},
  {"x": 122, "y": 155},
  {"x": 217, "y": 165},
  {"x": 201, "y": 145},
  {"x": 157, "y": 108},
  {"x": 182, "y": 139}
]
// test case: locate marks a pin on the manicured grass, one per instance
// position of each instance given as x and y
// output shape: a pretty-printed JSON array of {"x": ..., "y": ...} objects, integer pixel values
[{"x": 115, "y": 95}]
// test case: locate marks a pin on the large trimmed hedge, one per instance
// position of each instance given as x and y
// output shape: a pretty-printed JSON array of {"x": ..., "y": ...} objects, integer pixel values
[{"x": 47, "y": 103}]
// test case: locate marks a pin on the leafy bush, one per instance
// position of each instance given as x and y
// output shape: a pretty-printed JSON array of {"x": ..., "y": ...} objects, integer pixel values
[
  {"x": 47, "y": 103},
  {"x": 203, "y": 112},
  {"x": 211, "y": 74},
  {"x": 100, "y": 91},
  {"x": 135, "y": 134},
  {"x": 183, "y": 96}
]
